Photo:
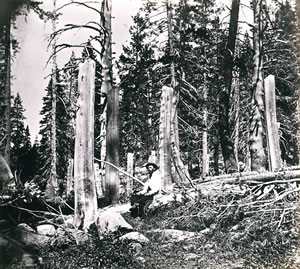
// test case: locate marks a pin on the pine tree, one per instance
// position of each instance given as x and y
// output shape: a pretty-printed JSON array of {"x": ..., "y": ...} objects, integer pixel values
[
  {"x": 139, "y": 106},
  {"x": 280, "y": 60},
  {"x": 20, "y": 138},
  {"x": 62, "y": 139},
  {"x": 10, "y": 9}
]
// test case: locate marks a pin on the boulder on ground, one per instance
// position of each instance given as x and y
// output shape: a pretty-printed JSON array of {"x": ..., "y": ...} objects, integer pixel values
[
  {"x": 81, "y": 237},
  {"x": 123, "y": 208},
  {"x": 136, "y": 247},
  {"x": 135, "y": 237},
  {"x": 29, "y": 237},
  {"x": 109, "y": 222},
  {"x": 46, "y": 229}
]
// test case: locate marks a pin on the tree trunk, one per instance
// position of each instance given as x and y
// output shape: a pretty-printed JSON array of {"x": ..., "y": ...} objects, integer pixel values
[
  {"x": 298, "y": 78},
  {"x": 129, "y": 170},
  {"x": 107, "y": 78},
  {"x": 5, "y": 174},
  {"x": 7, "y": 113},
  {"x": 237, "y": 120},
  {"x": 112, "y": 180},
  {"x": 165, "y": 137},
  {"x": 256, "y": 145},
  {"x": 172, "y": 70},
  {"x": 53, "y": 174},
  {"x": 205, "y": 158},
  {"x": 70, "y": 178},
  {"x": 272, "y": 124},
  {"x": 170, "y": 40},
  {"x": 106, "y": 59},
  {"x": 225, "y": 126},
  {"x": 84, "y": 178},
  {"x": 5, "y": 88}
]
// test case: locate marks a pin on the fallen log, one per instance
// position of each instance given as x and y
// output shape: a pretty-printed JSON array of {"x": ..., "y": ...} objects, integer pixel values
[
  {"x": 251, "y": 177},
  {"x": 238, "y": 183}
]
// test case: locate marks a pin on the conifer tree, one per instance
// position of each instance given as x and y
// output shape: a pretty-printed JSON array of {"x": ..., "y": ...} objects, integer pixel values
[
  {"x": 280, "y": 53},
  {"x": 139, "y": 102},
  {"x": 63, "y": 147},
  {"x": 20, "y": 138}
]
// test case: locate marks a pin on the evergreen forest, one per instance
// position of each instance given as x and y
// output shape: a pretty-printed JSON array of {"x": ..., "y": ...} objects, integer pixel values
[{"x": 205, "y": 90}]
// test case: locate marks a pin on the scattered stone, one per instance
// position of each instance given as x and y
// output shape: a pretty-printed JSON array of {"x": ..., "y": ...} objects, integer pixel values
[
  {"x": 136, "y": 237},
  {"x": 136, "y": 247},
  {"x": 29, "y": 237},
  {"x": 46, "y": 229},
  {"x": 60, "y": 231},
  {"x": 191, "y": 256},
  {"x": 160, "y": 200},
  {"x": 141, "y": 259},
  {"x": 109, "y": 222},
  {"x": 176, "y": 235},
  {"x": 80, "y": 236},
  {"x": 25, "y": 227},
  {"x": 116, "y": 208},
  {"x": 69, "y": 222},
  {"x": 189, "y": 247},
  {"x": 205, "y": 231}
]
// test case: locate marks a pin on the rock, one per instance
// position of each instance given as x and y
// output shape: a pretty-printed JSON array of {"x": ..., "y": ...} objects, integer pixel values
[
  {"x": 141, "y": 259},
  {"x": 205, "y": 231},
  {"x": 108, "y": 222},
  {"x": 160, "y": 200},
  {"x": 46, "y": 229},
  {"x": 25, "y": 227},
  {"x": 116, "y": 208},
  {"x": 80, "y": 236},
  {"x": 191, "y": 256},
  {"x": 176, "y": 235},
  {"x": 69, "y": 220},
  {"x": 136, "y": 247},
  {"x": 136, "y": 237},
  {"x": 29, "y": 237},
  {"x": 60, "y": 231}
]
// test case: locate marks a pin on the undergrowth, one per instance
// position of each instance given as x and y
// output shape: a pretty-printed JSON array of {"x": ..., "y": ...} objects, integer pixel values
[
  {"x": 258, "y": 234},
  {"x": 107, "y": 252}
]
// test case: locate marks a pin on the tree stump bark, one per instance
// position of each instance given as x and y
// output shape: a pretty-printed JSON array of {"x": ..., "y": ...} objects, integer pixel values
[{"x": 84, "y": 178}]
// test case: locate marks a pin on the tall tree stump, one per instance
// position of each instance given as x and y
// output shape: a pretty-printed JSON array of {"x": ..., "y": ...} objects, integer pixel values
[
  {"x": 272, "y": 124},
  {"x": 165, "y": 136},
  {"x": 84, "y": 178}
]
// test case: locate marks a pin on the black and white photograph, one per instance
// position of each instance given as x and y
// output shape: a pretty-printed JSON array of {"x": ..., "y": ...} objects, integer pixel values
[{"x": 158, "y": 134}]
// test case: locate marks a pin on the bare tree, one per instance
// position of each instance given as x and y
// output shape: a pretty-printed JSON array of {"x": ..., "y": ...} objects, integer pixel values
[
  {"x": 53, "y": 174},
  {"x": 84, "y": 177}
]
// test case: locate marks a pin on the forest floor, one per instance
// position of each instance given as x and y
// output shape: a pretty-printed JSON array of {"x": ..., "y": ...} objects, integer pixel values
[
  {"x": 214, "y": 232},
  {"x": 217, "y": 234},
  {"x": 216, "y": 248}
]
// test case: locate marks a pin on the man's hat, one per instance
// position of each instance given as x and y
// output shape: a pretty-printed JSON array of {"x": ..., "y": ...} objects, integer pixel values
[{"x": 150, "y": 163}]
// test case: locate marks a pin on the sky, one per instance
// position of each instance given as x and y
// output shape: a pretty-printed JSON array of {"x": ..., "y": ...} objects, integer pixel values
[{"x": 29, "y": 70}]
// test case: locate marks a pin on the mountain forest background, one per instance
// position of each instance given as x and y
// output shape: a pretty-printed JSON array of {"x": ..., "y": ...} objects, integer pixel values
[{"x": 215, "y": 64}]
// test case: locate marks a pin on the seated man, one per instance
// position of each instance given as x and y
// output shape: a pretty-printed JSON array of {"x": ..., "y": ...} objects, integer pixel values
[
  {"x": 153, "y": 184},
  {"x": 144, "y": 198}
]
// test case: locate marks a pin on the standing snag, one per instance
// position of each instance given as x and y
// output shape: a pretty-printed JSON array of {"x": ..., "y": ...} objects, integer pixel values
[{"x": 84, "y": 177}]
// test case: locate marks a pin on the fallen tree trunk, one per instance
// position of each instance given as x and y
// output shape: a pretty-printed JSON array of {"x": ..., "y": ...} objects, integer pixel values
[
  {"x": 256, "y": 184},
  {"x": 251, "y": 177}
]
